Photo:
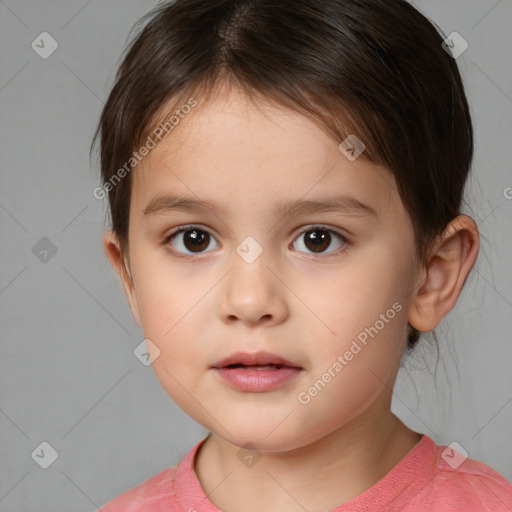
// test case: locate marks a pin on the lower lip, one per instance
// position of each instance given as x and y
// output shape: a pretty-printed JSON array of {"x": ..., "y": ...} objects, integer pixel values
[{"x": 257, "y": 381}]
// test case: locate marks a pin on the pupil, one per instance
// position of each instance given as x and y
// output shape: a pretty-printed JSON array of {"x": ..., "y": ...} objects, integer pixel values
[
  {"x": 319, "y": 242},
  {"x": 194, "y": 240}
]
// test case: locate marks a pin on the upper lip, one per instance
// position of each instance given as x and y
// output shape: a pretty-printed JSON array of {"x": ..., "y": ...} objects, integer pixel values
[{"x": 256, "y": 358}]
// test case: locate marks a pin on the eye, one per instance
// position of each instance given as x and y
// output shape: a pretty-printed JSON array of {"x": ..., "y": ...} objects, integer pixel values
[
  {"x": 194, "y": 239},
  {"x": 319, "y": 238}
]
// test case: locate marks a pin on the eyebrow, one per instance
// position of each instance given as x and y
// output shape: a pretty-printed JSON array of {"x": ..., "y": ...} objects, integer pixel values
[{"x": 345, "y": 204}]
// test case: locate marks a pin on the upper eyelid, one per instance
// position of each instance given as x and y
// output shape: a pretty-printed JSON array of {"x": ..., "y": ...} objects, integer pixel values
[
  {"x": 303, "y": 229},
  {"x": 321, "y": 226},
  {"x": 187, "y": 227}
]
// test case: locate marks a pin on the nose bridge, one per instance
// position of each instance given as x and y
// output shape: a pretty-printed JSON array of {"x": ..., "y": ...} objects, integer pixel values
[{"x": 251, "y": 292}]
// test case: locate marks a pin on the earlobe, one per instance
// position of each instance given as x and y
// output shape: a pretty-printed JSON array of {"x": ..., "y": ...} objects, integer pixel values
[
  {"x": 114, "y": 254},
  {"x": 449, "y": 264}
]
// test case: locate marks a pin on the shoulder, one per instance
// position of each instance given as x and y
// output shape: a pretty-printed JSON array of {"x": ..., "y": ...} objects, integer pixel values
[
  {"x": 154, "y": 495},
  {"x": 163, "y": 492},
  {"x": 472, "y": 485},
  {"x": 437, "y": 477}
]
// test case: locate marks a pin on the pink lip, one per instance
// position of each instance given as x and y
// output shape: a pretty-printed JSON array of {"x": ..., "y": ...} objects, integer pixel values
[
  {"x": 257, "y": 358},
  {"x": 257, "y": 381},
  {"x": 248, "y": 378}
]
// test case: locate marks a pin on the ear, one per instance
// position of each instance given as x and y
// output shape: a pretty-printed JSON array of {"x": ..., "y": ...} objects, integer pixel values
[
  {"x": 116, "y": 258},
  {"x": 449, "y": 263}
]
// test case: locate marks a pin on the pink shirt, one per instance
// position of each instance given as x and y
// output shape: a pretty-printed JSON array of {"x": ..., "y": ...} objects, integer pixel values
[{"x": 422, "y": 481}]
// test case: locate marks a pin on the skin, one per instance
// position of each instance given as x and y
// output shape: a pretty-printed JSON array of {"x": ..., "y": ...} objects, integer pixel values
[{"x": 304, "y": 306}]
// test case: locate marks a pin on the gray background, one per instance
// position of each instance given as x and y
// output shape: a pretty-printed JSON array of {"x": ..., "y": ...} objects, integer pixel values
[{"x": 68, "y": 375}]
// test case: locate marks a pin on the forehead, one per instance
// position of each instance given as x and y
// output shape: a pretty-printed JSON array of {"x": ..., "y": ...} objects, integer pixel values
[{"x": 237, "y": 152}]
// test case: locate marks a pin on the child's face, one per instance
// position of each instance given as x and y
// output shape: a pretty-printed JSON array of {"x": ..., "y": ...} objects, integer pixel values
[{"x": 302, "y": 306}]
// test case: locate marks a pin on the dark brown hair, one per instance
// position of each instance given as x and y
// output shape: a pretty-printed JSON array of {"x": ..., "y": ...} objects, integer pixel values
[{"x": 373, "y": 68}]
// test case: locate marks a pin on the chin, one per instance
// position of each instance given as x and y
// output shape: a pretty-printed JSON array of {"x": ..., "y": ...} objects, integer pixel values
[{"x": 256, "y": 437}]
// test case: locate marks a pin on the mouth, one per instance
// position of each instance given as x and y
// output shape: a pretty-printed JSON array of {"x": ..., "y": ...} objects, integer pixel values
[
  {"x": 256, "y": 373},
  {"x": 257, "y": 366},
  {"x": 258, "y": 360}
]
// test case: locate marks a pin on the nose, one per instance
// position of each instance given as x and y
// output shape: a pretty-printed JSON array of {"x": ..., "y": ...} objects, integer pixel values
[{"x": 252, "y": 294}]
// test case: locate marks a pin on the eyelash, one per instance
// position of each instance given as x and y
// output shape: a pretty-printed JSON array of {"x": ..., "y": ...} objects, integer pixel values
[{"x": 312, "y": 227}]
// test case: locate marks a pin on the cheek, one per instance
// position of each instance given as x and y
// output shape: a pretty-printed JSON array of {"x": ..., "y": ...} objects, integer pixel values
[
  {"x": 353, "y": 370},
  {"x": 170, "y": 322},
  {"x": 165, "y": 293},
  {"x": 367, "y": 310},
  {"x": 358, "y": 295},
  {"x": 175, "y": 302}
]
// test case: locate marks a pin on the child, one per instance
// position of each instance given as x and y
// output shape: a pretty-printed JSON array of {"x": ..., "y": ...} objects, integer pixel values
[{"x": 285, "y": 182}]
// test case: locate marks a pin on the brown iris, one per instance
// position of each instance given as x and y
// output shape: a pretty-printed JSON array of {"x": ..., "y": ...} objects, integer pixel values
[
  {"x": 317, "y": 240},
  {"x": 196, "y": 240}
]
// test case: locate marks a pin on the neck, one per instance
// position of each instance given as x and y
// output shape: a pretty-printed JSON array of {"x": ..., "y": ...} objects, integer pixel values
[{"x": 319, "y": 476}]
